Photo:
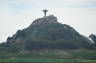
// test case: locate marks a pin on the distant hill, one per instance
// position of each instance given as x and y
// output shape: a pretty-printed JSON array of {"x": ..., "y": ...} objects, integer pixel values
[{"x": 45, "y": 33}]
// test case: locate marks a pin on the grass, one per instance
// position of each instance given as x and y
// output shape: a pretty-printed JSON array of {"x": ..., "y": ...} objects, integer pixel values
[
  {"x": 39, "y": 60},
  {"x": 88, "y": 61},
  {"x": 53, "y": 56},
  {"x": 83, "y": 54},
  {"x": 44, "y": 60}
]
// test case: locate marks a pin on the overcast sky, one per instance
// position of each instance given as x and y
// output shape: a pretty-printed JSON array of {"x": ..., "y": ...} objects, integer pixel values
[{"x": 19, "y": 14}]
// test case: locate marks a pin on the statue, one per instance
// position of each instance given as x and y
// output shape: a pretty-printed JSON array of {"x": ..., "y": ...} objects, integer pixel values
[{"x": 45, "y": 12}]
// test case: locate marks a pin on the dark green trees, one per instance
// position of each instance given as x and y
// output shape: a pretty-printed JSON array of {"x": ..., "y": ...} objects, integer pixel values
[{"x": 93, "y": 37}]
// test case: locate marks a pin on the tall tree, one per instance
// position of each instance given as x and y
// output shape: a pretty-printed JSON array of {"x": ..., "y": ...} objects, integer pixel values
[{"x": 93, "y": 37}]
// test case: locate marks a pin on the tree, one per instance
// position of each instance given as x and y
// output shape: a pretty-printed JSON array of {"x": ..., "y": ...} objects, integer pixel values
[
  {"x": 93, "y": 37},
  {"x": 8, "y": 39},
  {"x": 20, "y": 33}
]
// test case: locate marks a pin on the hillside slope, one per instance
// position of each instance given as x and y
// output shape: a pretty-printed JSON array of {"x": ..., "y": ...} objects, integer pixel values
[{"x": 45, "y": 33}]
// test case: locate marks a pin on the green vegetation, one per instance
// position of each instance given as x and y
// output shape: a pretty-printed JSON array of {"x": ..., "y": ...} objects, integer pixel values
[
  {"x": 44, "y": 60},
  {"x": 88, "y": 61},
  {"x": 46, "y": 33},
  {"x": 47, "y": 41},
  {"x": 52, "y": 56},
  {"x": 56, "y": 60},
  {"x": 93, "y": 37}
]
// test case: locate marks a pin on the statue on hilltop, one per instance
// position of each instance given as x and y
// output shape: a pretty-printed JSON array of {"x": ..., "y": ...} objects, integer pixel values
[{"x": 45, "y": 12}]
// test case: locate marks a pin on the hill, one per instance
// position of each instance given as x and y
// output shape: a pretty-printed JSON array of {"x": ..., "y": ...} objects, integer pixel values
[
  {"x": 47, "y": 40},
  {"x": 46, "y": 33}
]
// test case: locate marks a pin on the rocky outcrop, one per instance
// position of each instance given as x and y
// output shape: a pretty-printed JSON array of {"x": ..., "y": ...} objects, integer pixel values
[{"x": 46, "y": 20}]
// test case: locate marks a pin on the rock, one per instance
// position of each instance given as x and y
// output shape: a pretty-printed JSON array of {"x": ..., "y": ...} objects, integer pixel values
[{"x": 46, "y": 20}]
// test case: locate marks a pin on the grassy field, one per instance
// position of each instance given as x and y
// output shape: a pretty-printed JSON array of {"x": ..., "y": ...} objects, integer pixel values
[
  {"x": 44, "y": 60},
  {"x": 88, "y": 61},
  {"x": 37, "y": 60},
  {"x": 52, "y": 56}
]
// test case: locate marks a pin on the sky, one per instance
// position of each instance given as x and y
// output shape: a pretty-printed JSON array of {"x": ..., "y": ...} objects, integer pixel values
[{"x": 19, "y": 14}]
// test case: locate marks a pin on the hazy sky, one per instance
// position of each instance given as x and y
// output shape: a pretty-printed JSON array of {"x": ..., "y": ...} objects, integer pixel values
[{"x": 19, "y": 14}]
